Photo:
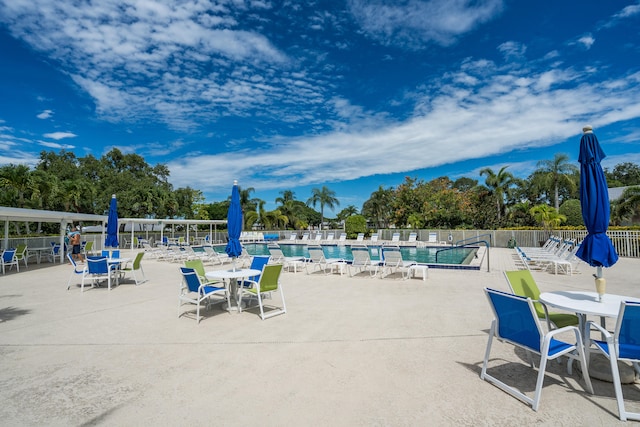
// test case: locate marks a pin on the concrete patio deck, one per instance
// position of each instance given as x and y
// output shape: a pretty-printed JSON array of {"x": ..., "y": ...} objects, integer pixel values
[{"x": 349, "y": 352}]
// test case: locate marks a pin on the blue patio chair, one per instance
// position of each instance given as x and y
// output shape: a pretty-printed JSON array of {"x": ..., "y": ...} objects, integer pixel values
[
  {"x": 55, "y": 252},
  {"x": 624, "y": 344},
  {"x": 517, "y": 323},
  {"x": 192, "y": 291},
  {"x": 75, "y": 271},
  {"x": 9, "y": 259},
  {"x": 257, "y": 262},
  {"x": 97, "y": 270},
  {"x": 105, "y": 253},
  {"x": 115, "y": 253}
]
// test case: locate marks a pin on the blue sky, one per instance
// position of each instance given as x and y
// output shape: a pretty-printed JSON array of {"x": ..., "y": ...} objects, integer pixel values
[{"x": 293, "y": 95}]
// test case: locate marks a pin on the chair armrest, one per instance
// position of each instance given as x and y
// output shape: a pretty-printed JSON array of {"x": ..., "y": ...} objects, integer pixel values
[
  {"x": 602, "y": 330},
  {"x": 546, "y": 313}
]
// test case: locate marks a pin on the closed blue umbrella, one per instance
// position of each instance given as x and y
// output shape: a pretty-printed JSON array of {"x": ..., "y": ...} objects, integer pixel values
[
  {"x": 112, "y": 225},
  {"x": 596, "y": 249},
  {"x": 234, "y": 224}
]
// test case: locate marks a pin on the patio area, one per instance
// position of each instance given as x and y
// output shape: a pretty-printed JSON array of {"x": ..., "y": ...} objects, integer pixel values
[{"x": 349, "y": 351}]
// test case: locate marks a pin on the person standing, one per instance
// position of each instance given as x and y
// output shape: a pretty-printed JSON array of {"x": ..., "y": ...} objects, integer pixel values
[{"x": 76, "y": 241}]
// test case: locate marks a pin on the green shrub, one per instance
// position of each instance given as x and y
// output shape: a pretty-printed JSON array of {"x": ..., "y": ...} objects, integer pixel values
[{"x": 355, "y": 224}]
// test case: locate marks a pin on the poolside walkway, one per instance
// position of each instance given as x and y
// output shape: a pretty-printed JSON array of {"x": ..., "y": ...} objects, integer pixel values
[{"x": 350, "y": 351}]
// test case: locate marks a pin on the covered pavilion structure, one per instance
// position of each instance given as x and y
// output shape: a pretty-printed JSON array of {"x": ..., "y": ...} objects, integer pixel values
[
  {"x": 8, "y": 215},
  {"x": 144, "y": 225},
  {"x": 136, "y": 225}
]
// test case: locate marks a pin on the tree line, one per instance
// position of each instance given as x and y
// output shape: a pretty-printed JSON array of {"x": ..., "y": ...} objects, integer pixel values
[{"x": 549, "y": 196}]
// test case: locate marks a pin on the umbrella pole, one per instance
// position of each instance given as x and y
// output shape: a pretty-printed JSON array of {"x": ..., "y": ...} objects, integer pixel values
[{"x": 601, "y": 283}]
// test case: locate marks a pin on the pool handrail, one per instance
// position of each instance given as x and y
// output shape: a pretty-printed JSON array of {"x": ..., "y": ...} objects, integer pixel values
[{"x": 467, "y": 245}]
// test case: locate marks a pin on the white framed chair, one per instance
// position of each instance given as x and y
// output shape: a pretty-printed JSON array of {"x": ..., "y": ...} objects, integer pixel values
[
  {"x": 516, "y": 323},
  {"x": 621, "y": 345},
  {"x": 393, "y": 262},
  {"x": 278, "y": 257},
  {"x": 362, "y": 261},
  {"x": 136, "y": 265},
  {"x": 192, "y": 291},
  {"x": 9, "y": 260},
  {"x": 98, "y": 269},
  {"x": 21, "y": 254},
  {"x": 268, "y": 283},
  {"x": 318, "y": 261},
  {"x": 76, "y": 271}
]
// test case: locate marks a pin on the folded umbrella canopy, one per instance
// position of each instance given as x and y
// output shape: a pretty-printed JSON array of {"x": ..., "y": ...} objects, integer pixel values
[
  {"x": 112, "y": 225},
  {"x": 596, "y": 249},
  {"x": 234, "y": 224}
]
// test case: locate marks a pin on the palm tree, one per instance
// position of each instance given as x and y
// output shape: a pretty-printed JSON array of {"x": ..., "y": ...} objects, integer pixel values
[
  {"x": 557, "y": 172},
  {"x": 292, "y": 210},
  {"x": 325, "y": 197},
  {"x": 274, "y": 218},
  {"x": 378, "y": 206},
  {"x": 628, "y": 205},
  {"x": 499, "y": 184},
  {"x": 547, "y": 216},
  {"x": 286, "y": 196}
]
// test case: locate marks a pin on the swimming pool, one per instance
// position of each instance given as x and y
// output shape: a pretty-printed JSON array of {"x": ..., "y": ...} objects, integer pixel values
[{"x": 455, "y": 258}]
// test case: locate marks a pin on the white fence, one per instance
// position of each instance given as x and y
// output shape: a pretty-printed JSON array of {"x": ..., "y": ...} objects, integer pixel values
[{"x": 626, "y": 242}]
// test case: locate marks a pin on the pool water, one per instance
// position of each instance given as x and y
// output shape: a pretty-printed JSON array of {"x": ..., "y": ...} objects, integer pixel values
[{"x": 426, "y": 255}]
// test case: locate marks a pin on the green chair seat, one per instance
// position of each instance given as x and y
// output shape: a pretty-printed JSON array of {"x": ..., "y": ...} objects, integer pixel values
[{"x": 522, "y": 283}]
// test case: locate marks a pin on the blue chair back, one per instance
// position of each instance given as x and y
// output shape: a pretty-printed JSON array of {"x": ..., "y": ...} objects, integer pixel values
[
  {"x": 115, "y": 253},
  {"x": 191, "y": 278},
  {"x": 105, "y": 253},
  {"x": 257, "y": 263},
  {"x": 97, "y": 265},
  {"x": 628, "y": 331},
  {"x": 56, "y": 249},
  {"x": 516, "y": 319},
  {"x": 7, "y": 255}
]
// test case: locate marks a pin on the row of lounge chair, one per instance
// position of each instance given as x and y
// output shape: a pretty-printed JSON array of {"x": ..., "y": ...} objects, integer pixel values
[
  {"x": 412, "y": 240},
  {"x": 391, "y": 262},
  {"x": 556, "y": 254}
]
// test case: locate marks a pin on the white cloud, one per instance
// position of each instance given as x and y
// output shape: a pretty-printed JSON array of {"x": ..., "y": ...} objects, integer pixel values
[
  {"x": 501, "y": 113},
  {"x": 59, "y": 135},
  {"x": 56, "y": 145},
  {"x": 45, "y": 114},
  {"x": 512, "y": 50},
  {"x": 587, "y": 41},
  {"x": 415, "y": 22},
  {"x": 181, "y": 61}
]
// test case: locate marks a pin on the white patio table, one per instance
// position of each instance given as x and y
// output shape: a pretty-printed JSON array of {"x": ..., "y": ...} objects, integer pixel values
[
  {"x": 38, "y": 252},
  {"x": 230, "y": 279},
  {"x": 585, "y": 304},
  {"x": 118, "y": 262}
]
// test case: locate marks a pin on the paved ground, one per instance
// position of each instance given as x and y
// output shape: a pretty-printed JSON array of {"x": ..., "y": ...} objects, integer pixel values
[{"x": 350, "y": 351}]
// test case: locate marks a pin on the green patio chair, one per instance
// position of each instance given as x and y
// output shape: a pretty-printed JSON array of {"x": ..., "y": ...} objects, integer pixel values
[
  {"x": 198, "y": 266},
  {"x": 268, "y": 283},
  {"x": 21, "y": 253},
  {"x": 522, "y": 283},
  {"x": 136, "y": 266}
]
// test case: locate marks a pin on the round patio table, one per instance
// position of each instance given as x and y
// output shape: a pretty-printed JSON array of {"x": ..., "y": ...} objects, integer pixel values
[{"x": 230, "y": 279}]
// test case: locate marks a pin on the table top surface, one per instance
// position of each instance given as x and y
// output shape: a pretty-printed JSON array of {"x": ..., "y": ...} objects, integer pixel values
[
  {"x": 586, "y": 302},
  {"x": 232, "y": 274}
]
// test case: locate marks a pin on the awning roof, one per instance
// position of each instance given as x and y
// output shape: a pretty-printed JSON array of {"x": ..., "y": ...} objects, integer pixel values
[{"x": 33, "y": 215}]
